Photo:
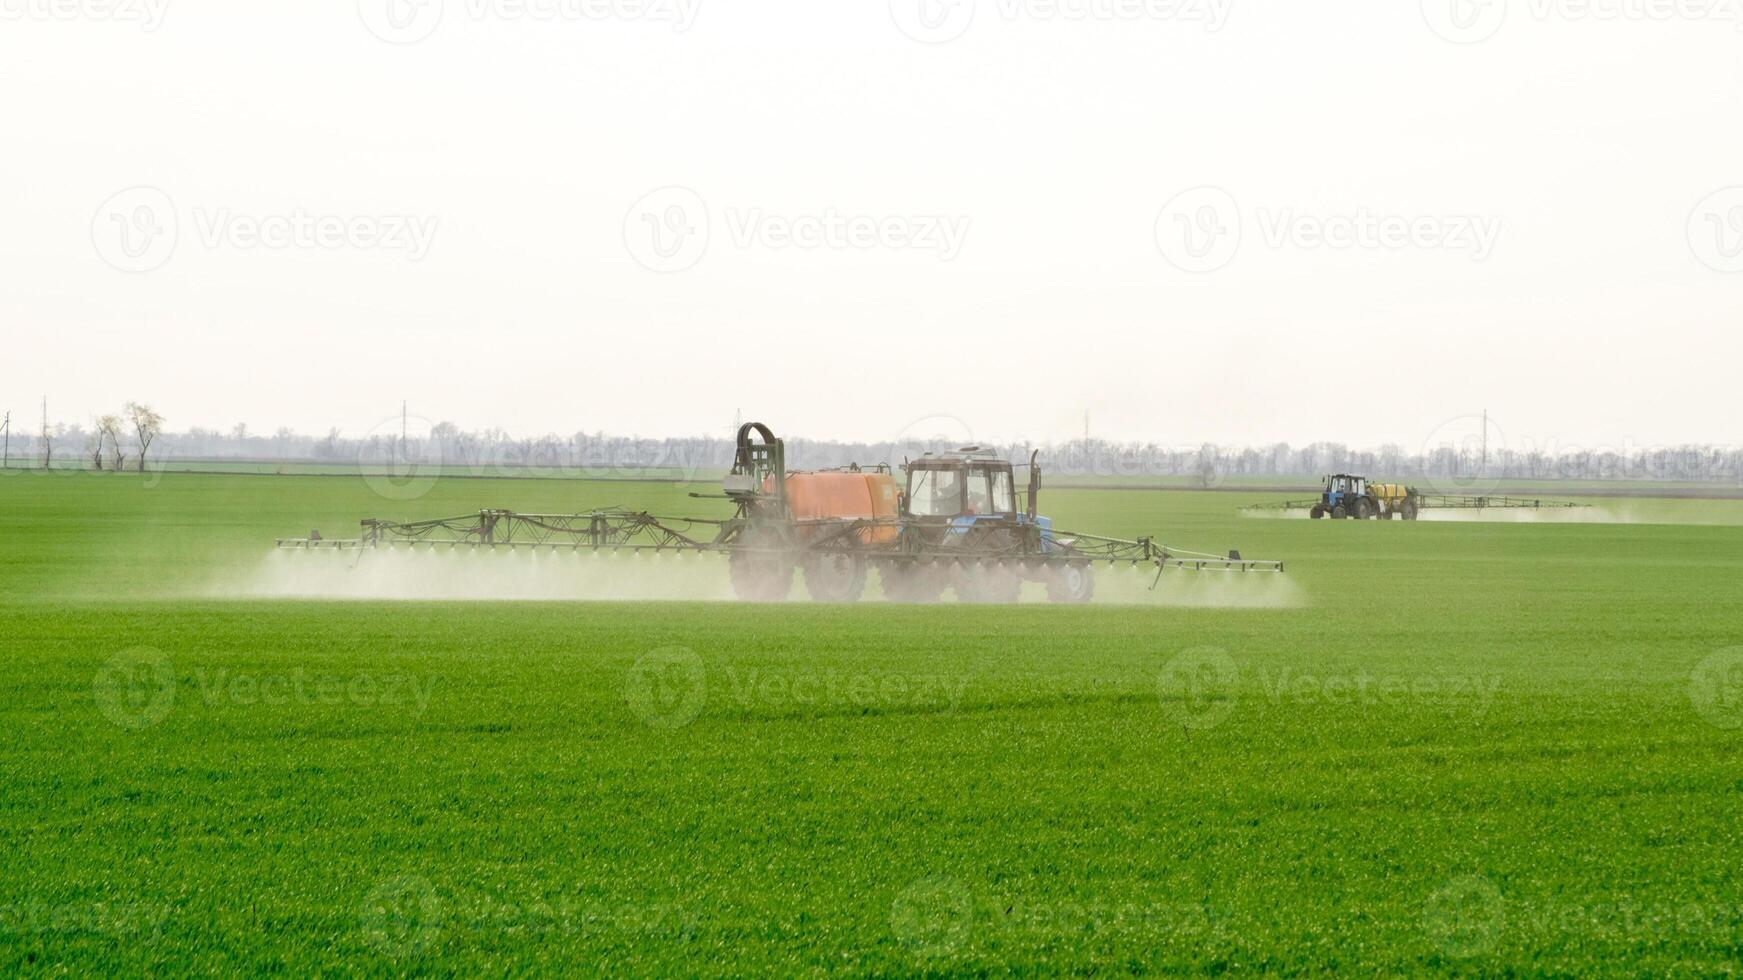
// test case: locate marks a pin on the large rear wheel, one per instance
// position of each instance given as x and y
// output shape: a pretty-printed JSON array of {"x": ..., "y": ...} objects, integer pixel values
[
  {"x": 987, "y": 582},
  {"x": 761, "y": 566},
  {"x": 835, "y": 576},
  {"x": 911, "y": 582},
  {"x": 1071, "y": 583}
]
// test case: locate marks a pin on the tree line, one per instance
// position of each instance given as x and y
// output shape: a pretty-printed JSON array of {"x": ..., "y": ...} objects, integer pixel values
[
  {"x": 138, "y": 429},
  {"x": 137, "y": 422}
]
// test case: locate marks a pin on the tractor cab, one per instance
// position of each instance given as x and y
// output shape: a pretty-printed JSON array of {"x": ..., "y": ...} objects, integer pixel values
[
  {"x": 968, "y": 483},
  {"x": 1341, "y": 485},
  {"x": 1345, "y": 496}
]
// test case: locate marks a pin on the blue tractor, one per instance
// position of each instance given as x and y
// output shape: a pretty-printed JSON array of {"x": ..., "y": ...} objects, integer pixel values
[
  {"x": 1344, "y": 496},
  {"x": 1354, "y": 497},
  {"x": 965, "y": 503}
]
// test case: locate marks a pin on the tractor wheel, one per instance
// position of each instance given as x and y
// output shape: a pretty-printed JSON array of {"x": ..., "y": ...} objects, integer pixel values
[
  {"x": 1338, "y": 512},
  {"x": 835, "y": 576},
  {"x": 1409, "y": 510},
  {"x": 1071, "y": 583},
  {"x": 911, "y": 582},
  {"x": 761, "y": 567},
  {"x": 1317, "y": 512},
  {"x": 1363, "y": 509},
  {"x": 987, "y": 582}
]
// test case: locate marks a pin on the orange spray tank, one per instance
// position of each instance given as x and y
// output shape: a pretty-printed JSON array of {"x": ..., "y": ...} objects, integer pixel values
[{"x": 848, "y": 495}]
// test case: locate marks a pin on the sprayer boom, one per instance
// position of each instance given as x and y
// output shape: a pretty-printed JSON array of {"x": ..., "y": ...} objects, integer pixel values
[{"x": 956, "y": 524}]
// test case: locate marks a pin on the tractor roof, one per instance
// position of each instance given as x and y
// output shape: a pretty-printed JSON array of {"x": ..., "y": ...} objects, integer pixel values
[{"x": 965, "y": 454}]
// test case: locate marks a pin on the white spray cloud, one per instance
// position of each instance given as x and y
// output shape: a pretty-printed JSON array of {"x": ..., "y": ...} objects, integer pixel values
[{"x": 449, "y": 574}]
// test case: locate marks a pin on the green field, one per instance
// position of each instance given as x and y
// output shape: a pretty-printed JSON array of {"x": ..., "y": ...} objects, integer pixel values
[{"x": 1480, "y": 748}]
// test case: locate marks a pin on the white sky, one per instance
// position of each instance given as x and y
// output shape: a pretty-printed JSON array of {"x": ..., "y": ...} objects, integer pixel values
[{"x": 1597, "y": 318}]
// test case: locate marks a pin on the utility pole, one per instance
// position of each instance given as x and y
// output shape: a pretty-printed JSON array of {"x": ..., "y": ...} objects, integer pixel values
[
  {"x": 404, "y": 444},
  {"x": 47, "y": 446},
  {"x": 6, "y": 453},
  {"x": 1485, "y": 440}
]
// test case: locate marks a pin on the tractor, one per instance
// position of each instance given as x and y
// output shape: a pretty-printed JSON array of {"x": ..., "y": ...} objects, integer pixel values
[
  {"x": 1347, "y": 496},
  {"x": 957, "y": 521},
  {"x": 953, "y": 520}
]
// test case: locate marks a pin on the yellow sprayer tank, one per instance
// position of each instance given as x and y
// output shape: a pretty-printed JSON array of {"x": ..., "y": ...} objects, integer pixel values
[{"x": 1393, "y": 494}]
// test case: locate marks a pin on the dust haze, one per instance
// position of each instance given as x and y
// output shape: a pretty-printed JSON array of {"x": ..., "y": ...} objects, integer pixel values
[
  {"x": 1597, "y": 514},
  {"x": 448, "y": 574}
]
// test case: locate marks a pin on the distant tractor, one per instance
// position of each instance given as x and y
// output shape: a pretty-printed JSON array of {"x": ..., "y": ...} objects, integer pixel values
[{"x": 1354, "y": 497}]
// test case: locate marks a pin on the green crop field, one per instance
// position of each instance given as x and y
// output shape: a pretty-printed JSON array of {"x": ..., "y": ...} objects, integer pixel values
[{"x": 1482, "y": 748}]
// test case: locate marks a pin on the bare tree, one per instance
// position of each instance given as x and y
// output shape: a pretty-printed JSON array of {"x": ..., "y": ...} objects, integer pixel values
[
  {"x": 94, "y": 444},
  {"x": 109, "y": 427},
  {"x": 146, "y": 426}
]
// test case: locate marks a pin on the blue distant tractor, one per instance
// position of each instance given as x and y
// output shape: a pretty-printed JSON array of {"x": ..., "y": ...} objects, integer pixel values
[{"x": 1354, "y": 497}]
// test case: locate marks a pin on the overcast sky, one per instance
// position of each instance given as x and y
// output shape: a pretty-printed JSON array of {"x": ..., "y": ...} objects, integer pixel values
[{"x": 1221, "y": 220}]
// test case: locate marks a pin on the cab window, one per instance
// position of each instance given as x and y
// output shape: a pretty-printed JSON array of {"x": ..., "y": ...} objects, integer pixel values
[
  {"x": 980, "y": 497},
  {"x": 935, "y": 493},
  {"x": 1004, "y": 500}
]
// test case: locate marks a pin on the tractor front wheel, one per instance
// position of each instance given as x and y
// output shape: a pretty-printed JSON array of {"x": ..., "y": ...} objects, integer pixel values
[
  {"x": 1071, "y": 583},
  {"x": 1338, "y": 512},
  {"x": 1317, "y": 512}
]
